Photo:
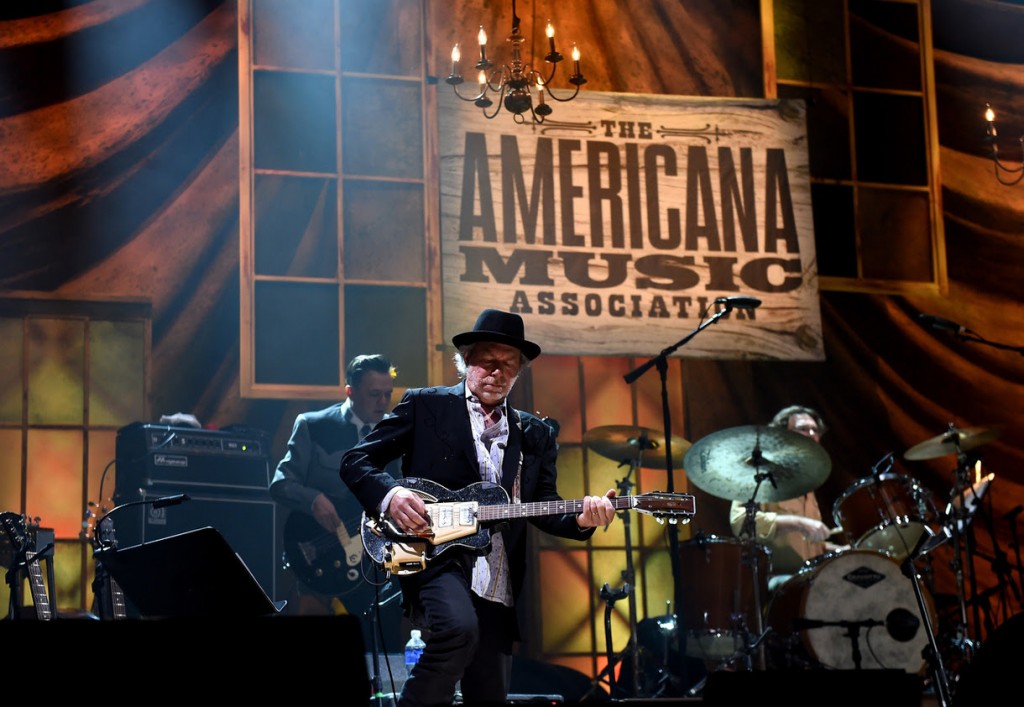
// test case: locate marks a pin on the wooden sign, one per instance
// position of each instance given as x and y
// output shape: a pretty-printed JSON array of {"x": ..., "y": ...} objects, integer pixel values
[{"x": 615, "y": 226}]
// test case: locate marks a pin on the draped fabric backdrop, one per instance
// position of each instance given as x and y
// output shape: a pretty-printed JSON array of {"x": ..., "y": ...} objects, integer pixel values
[{"x": 119, "y": 179}]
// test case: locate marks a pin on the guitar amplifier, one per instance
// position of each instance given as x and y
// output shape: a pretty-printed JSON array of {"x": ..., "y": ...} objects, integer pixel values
[
  {"x": 185, "y": 457},
  {"x": 225, "y": 474}
]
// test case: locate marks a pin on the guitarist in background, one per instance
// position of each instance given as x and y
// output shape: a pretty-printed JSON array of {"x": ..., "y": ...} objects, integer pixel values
[
  {"x": 468, "y": 604},
  {"x": 324, "y": 513}
]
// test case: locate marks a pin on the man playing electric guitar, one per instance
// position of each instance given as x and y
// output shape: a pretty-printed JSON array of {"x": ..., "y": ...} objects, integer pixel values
[
  {"x": 321, "y": 535},
  {"x": 468, "y": 602}
]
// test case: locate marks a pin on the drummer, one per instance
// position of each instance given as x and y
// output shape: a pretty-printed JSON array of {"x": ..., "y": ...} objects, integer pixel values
[{"x": 792, "y": 528}]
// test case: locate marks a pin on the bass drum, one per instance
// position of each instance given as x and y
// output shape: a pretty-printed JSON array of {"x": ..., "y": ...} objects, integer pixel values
[{"x": 851, "y": 610}]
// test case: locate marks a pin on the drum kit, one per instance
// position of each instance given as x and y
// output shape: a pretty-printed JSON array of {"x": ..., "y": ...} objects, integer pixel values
[{"x": 860, "y": 607}]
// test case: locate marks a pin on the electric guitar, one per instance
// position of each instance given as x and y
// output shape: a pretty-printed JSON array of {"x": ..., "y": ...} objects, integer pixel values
[
  {"x": 329, "y": 563},
  {"x": 18, "y": 535},
  {"x": 462, "y": 519},
  {"x": 108, "y": 597}
]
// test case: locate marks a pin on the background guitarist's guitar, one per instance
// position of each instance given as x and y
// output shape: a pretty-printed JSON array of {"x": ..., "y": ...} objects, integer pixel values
[
  {"x": 461, "y": 519},
  {"x": 329, "y": 563}
]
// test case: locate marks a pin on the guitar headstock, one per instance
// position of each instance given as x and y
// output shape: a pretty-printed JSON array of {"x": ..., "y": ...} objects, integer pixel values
[
  {"x": 673, "y": 507},
  {"x": 13, "y": 538},
  {"x": 97, "y": 527}
]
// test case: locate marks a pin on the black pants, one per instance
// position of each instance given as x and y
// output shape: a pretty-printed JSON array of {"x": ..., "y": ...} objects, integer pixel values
[{"x": 468, "y": 639}]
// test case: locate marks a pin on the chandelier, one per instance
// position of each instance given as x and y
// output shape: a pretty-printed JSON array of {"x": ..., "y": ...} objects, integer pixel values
[
  {"x": 1001, "y": 168},
  {"x": 512, "y": 85}
]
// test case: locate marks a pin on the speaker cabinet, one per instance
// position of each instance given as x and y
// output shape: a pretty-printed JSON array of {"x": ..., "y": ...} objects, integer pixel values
[
  {"x": 225, "y": 474},
  {"x": 246, "y": 523}
]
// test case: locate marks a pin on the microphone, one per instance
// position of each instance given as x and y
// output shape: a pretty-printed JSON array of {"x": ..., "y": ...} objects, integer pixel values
[
  {"x": 739, "y": 302},
  {"x": 160, "y": 502},
  {"x": 940, "y": 323},
  {"x": 174, "y": 500}
]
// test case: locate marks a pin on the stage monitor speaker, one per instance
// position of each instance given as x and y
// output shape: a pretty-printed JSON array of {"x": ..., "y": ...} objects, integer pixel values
[
  {"x": 817, "y": 688},
  {"x": 246, "y": 523},
  {"x": 251, "y": 662}
]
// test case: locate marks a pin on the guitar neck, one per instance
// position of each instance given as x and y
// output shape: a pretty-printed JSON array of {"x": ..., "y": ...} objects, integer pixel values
[
  {"x": 40, "y": 601},
  {"x": 542, "y": 508}
]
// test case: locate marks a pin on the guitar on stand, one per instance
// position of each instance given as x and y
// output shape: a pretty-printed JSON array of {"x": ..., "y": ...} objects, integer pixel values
[
  {"x": 24, "y": 564},
  {"x": 108, "y": 598}
]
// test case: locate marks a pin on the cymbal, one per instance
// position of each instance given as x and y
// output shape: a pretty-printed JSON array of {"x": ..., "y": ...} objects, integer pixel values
[
  {"x": 953, "y": 441},
  {"x": 622, "y": 442},
  {"x": 724, "y": 465}
]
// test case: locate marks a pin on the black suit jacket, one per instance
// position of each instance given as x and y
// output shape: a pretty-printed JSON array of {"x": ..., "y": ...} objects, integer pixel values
[{"x": 430, "y": 431}]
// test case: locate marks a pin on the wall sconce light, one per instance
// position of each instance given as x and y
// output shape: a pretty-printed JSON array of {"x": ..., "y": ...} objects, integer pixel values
[
  {"x": 1000, "y": 167},
  {"x": 512, "y": 85}
]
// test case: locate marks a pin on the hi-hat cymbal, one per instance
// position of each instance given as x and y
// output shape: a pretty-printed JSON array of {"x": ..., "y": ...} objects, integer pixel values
[
  {"x": 621, "y": 443},
  {"x": 953, "y": 441},
  {"x": 725, "y": 463}
]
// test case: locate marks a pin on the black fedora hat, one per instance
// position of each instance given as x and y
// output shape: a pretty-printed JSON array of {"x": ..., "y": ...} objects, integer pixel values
[{"x": 499, "y": 327}]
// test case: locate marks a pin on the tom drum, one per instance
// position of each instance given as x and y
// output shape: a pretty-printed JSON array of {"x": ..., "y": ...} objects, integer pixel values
[
  {"x": 721, "y": 608},
  {"x": 888, "y": 513}
]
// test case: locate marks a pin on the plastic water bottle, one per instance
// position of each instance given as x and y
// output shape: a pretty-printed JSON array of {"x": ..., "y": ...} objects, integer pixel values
[{"x": 414, "y": 648}]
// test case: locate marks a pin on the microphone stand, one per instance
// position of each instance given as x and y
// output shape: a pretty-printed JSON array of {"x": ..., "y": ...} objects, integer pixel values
[
  {"x": 932, "y": 654},
  {"x": 661, "y": 362},
  {"x": 965, "y": 334},
  {"x": 1011, "y": 519},
  {"x": 376, "y": 682}
]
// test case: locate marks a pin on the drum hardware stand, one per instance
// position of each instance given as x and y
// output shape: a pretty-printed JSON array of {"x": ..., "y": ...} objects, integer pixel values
[
  {"x": 610, "y": 597},
  {"x": 628, "y": 589},
  {"x": 1000, "y": 564},
  {"x": 661, "y": 362},
  {"x": 1011, "y": 519},
  {"x": 957, "y": 527},
  {"x": 749, "y": 535}
]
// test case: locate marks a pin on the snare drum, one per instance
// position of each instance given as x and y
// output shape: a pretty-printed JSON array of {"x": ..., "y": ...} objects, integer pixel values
[
  {"x": 719, "y": 600},
  {"x": 853, "y": 609},
  {"x": 888, "y": 513}
]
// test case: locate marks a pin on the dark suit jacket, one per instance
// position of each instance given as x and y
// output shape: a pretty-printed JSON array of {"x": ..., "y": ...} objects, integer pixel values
[
  {"x": 310, "y": 465},
  {"x": 430, "y": 431}
]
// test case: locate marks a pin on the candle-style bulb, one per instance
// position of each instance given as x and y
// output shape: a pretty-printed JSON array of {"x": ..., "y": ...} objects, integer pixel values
[
  {"x": 481, "y": 37},
  {"x": 990, "y": 115},
  {"x": 456, "y": 55},
  {"x": 575, "y": 54}
]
